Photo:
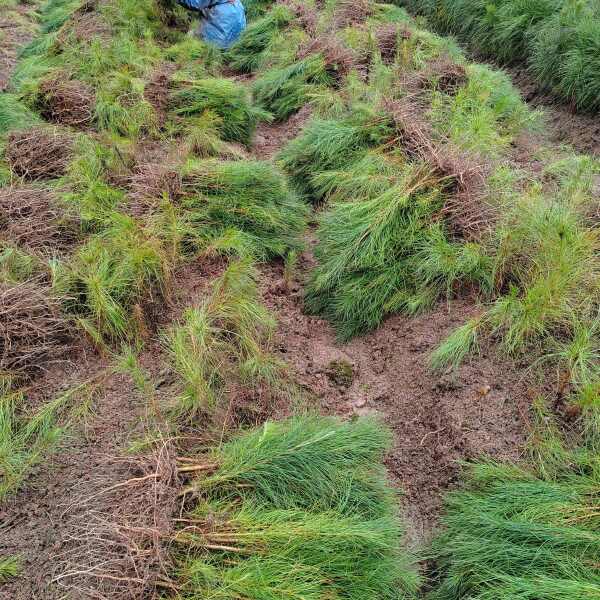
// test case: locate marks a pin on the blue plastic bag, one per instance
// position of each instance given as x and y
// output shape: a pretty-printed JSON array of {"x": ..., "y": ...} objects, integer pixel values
[{"x": 222, "y": 21}]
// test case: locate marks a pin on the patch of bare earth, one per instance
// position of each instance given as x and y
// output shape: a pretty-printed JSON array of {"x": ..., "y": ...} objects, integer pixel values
[
  {"x": 563, "y": 123},
  {"x": 271, "y": 137},
  {"x": 437, "y": 421}
]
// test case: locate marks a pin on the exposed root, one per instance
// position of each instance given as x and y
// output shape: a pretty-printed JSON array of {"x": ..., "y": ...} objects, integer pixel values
[
  {"x": 66, "y": 101},
  {"x": 32, "y": 328},
  {"x": 339, "y": 59},
  {"x": 122, "y": 553},
  {"x": 151, "y": 182},
  {"x": 84, "y": 24},
  {"x": 465, "y": 210},
  {"x": 351, "y": 12},
  {"x": 307, "y": 17},
  {"x": 39, "y": 153},
  {"x": 387, "y": 38},
  {"x": 446, "y": 75},
  {"x": 33, "y": 218}
]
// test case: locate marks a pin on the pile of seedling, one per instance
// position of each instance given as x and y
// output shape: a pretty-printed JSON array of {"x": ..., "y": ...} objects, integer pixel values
[
  {"x": 124, "y": 157},
  {"x": 127, "y": 153},
  {"x": 297, "y": 509}
]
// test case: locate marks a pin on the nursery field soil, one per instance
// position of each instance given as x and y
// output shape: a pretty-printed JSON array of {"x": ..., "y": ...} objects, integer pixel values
[
  {"x": 70, "y": 492},
  {"x": 564, "y": 125},
  {"x": 271, "y": 137},
  {"x": 437, "y": 420},
  {"x": 40, "y": 522}
]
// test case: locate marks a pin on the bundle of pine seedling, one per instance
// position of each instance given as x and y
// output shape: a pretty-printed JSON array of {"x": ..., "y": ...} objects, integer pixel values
[
  {"x": 516, "y": 533},
  {"x": 296, "y": 509}
]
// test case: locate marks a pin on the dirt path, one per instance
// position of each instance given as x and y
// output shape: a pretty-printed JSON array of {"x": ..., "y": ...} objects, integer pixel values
[
  {"x": 437, "y": 421},
  {"x": 564, "y": 125}
]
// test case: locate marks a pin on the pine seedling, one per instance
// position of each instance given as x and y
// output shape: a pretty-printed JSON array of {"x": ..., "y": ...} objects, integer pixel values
[
  {"x": 243, "y": 205},
  {"x": 10, "y": 567},
  {"x": 248, "y": 54},
  {"x": 222, "y": 339},
  {"x": 225, "y": 98}
]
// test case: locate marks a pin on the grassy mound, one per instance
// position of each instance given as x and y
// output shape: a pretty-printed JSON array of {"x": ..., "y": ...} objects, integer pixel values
[{"x": 297, "y": 509}]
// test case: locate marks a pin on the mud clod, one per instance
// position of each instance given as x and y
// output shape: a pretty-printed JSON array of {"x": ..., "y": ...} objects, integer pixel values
[{"x": 340, "y": 372}]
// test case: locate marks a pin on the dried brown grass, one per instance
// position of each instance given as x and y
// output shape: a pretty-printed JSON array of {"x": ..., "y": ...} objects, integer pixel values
[
  {"x": 33, "y": 218},
  {"x": 32, "y": 328},
  {"x": 39, "y": 153}
]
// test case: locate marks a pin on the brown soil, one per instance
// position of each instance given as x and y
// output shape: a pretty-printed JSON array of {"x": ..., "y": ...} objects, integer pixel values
[
  {"x": 437, "y": 420},
  {"x": 271, "y": 137},
  {"x": 563, "y": 123}
]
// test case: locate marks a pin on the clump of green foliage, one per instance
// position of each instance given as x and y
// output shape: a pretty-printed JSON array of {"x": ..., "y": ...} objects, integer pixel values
[
  {"x": 222, "y": 340},
  {"x": 111, "y": 276},
  {"x": 524, "y": 532},
  {"x": 250, "y": 52},
  {"x": 301, "y": 509},
  {"x": 380, "y": 250},
  {"x": 26, "y": 438},
  {"x": 558, "y": 40},
  {"x": 544, "y": 254},
  {"x": 329, "y": 145},
  {"x": 248, "y": 206},
  {"x": 284, "y": 90},
  {"x": 10, "y": 567},
  {"x": 225, "y": 98}
]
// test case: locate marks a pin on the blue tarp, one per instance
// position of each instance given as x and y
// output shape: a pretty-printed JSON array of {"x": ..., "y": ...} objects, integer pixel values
[{"x": 222, "y": 20}]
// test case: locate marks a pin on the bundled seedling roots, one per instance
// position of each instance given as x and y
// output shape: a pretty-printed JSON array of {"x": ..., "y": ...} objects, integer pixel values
[
  {"x": 82, "y": 27},
  {"x": 32, "y": 329},
  {"x": 465, "y": 210},
  {"x": 446, "y": 76},
  {"x": 151, "y": 182},
  {"x": 351, "y": 12},
  {"x": 33, "y": 218},
  {"x": 156, "y": 91},
  {"x": 339, "y": 59},
  {"x": 307, "y": 17},
  {"x": 387, "y": 37},
  {"x": 64, "y": 101},
  {"x": 39, "y": 153},
  {"x": 119, "y": 551}
]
